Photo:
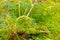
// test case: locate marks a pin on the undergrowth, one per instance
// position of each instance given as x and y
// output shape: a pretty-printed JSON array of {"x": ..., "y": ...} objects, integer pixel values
[{"x": 21, "y": 20}]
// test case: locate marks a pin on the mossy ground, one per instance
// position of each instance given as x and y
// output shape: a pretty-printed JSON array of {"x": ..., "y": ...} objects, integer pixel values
[{"x": 24, "y": 20}]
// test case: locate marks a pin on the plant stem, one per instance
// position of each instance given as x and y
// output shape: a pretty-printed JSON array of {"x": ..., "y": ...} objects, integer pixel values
[
  {"x": 30, "y": 9},
  {"x": 25, "y": 11},
  {"x": 11, "y": 29},
  {"x": 19, "y": 7}
]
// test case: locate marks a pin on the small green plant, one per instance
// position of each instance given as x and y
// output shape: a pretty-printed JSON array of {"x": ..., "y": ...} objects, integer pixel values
[{"x": 21, "y": 20}]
